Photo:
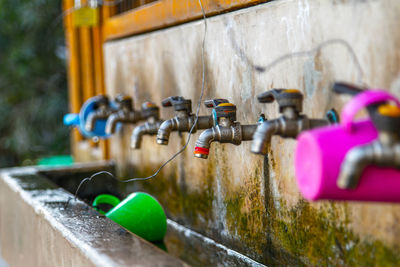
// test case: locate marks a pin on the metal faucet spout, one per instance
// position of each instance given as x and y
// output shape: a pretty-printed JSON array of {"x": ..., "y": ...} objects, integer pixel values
[
  {"x": 91, "y": 120},
  {"x": 112, "y": 121},
  {"x": 150, "y": 128},
  {"x": 203, "y": 143},
  {"x": 136, "y": 138},
  {"x": 353, "y": 165},
  {"x": 262, "y": 136},
  {"x": 121, "y": 117},
  {"x": 165, "y": 130}
]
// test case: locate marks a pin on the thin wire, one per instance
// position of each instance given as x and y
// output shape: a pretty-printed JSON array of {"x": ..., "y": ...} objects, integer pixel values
[
  {"x": 203, "y": 85},
  {"x": 83, "y": 181},
  {"x": 311, "y": 52}
]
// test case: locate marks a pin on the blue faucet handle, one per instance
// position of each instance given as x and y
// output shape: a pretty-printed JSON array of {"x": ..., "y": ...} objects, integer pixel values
[{"x": 71, "y": 119}]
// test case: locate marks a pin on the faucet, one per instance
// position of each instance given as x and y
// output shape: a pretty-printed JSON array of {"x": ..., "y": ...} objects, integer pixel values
[
  {"x": 101, "y": 111},
  {"x": 124, "y": 114},
  {"x": 183, "y": 120},
  {"x": 291, "y": 123},
  {"x": 225, "y": 129},
  {"x": 152, "y": 112},
  {"x": 383, "y": 152}
]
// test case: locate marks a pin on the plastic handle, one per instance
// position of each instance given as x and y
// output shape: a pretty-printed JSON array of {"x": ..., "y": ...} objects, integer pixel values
[
  {"x": 361, "y": 101},
  {"x": 346, "y": 88},
  {"x": 71, "y": 119},
  {"x": 105, "y": 199},
  {"x": 166, "y": 102},
  {"x": 278, "y": 94},
  {"x": 215, "y": 102},
  {"x": 269, "y": 96}
]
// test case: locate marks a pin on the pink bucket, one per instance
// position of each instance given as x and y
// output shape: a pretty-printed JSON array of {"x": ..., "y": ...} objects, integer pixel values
[{"x": 320, "y": 152}]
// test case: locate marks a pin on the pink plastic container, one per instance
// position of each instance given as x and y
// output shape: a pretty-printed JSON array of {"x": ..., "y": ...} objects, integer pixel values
[{"x": 320, "y": 152}]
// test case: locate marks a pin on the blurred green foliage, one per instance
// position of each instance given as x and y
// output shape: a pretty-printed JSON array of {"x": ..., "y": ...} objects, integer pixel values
[{"x": 33, "y": 89}]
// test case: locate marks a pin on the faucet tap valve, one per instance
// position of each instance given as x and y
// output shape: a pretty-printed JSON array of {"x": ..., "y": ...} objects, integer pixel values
[{"x": 179, "y": 103}]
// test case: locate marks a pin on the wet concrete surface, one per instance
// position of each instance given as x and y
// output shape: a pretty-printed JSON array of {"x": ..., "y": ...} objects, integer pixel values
[
  {"x": 182, "y": 242},
  {"x": 92, "y": 237},
  {"x": 98, "y": 238}
]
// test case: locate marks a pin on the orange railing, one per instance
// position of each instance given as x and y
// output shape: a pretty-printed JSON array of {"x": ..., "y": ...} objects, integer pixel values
[{"x": 119, "y": 19}]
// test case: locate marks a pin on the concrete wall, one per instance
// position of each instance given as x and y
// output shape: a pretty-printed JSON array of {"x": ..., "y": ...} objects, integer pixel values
[{"x": 247, "y": 202}]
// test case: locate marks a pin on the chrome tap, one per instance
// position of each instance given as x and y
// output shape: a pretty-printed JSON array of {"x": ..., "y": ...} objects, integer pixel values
[
  {"x": 183, "y": 120},
  {"x": 152, "y": 112},
  {"x": 125, "y": 113},
  {"x": 225, "y": 129},
  {"x": 383, "y": 152},
  {"x": 101, "y": 112},
  {"x": 291, "y": 123}
]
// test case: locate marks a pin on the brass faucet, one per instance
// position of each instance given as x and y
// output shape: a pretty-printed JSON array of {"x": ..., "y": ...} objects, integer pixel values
[
  {"x": 184, "y": 118},
  {"x": 224, "y": 130}
]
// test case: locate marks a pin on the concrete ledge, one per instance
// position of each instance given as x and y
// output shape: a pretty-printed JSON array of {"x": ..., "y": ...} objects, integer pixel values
[{"x": 37, "y": 230}]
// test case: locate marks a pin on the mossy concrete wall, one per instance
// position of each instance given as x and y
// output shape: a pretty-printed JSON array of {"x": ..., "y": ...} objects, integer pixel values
[{"x": 248, "y": 202}]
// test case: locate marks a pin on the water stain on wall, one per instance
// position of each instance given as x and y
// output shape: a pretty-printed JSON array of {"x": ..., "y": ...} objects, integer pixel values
[{"x": 251, "y": 204}]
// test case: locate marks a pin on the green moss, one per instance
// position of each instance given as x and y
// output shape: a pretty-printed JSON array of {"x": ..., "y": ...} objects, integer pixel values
[
  {"x": 245, "y": 214},
  {"x": 301, "y": 235},
  {"x": 320, "y": 238},
  {"x": 262, "y": 226}
]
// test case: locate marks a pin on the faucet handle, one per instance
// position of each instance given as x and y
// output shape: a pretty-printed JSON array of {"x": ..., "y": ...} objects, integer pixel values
[
  {"x": 150, "y": 109},
  {"x": 387, "y": 118},
  {"x": 346, "y": 88},
  {"x": 179, "y": 103},
  {"x": 102, "y": 100},
  {"x": 353, "y": 90},
  {"x": 221, "y": 109},
  {"x": 123, "y": 100},
  {"x": 213, "y": 103},
  {"x": 284, "y": 97}
]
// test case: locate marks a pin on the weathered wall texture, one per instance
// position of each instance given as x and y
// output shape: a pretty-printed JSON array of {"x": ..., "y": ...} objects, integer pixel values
[{"x": 248, "y": 202}]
